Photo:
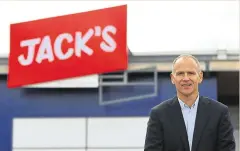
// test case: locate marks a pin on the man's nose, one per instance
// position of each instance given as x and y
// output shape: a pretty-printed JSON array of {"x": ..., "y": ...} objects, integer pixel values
[{"x": 186, "y": 77}]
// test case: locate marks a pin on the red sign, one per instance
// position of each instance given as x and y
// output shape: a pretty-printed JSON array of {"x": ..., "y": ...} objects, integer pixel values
[{"x": 68, "y": 46}]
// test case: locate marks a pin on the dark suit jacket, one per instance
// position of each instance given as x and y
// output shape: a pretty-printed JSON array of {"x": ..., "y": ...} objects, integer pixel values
[{"x": 166, "y": 129}]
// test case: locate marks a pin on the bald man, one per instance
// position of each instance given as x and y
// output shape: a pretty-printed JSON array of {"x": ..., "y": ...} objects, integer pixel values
[{"x": 189, "y": 121}]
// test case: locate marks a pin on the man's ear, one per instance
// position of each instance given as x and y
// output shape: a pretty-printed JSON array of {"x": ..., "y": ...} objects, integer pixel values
[
  {"x": 200, "y": 77},
  {"x": 172, "y": 78}
]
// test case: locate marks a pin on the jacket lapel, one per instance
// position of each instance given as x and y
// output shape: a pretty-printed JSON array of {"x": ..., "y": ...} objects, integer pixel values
[
  {"x": 178, "y": 121},
  {"x": 201, "y": 121}
]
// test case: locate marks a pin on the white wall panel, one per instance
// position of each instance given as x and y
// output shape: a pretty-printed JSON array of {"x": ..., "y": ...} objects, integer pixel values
[
  {"x": 49, "y": 132},
  {"x": 49, "y": 149},
  {"x": 79, "y": 82},
  {"x": 116, "y": 132},
  {"x": 127, "y": 149}
]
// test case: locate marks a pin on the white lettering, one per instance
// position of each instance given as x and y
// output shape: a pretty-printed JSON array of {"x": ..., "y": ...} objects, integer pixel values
[
  {"x": 111, "y": 44},
  {"x": 97, "y": 31},
  {"x": 31, "y": 49},
  {"x": 58, "y": 46},
  {"x": 48, "y": 52},
  {"x": 45, "y": 50},
  {"x": 80, "y": 43}
]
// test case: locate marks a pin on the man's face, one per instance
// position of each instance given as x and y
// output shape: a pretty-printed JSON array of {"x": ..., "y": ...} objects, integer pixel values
[{"x": 186, "y": 76}]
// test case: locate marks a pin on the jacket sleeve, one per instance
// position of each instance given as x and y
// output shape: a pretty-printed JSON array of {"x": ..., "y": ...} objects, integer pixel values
[
  {"x": 226, "y": 141},
  {"x": 154, "y": 135}
]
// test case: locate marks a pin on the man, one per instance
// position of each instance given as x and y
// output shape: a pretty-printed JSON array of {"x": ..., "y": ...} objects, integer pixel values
[{"x": 189, "y": 121}]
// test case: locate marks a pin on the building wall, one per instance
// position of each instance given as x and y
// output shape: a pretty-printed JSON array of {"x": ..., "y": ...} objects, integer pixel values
[{"x": 35, "y": 103}]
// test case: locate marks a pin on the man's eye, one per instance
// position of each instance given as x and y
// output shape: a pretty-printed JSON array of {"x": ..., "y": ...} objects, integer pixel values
[{"x": 180, "y": 73}]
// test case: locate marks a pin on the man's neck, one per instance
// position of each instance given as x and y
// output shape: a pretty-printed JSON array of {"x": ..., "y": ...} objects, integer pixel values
[{"x": 189, "y": 100}]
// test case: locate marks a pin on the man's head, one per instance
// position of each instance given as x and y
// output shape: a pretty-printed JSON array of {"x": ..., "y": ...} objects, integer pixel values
[{"x": 186, "y": 75}]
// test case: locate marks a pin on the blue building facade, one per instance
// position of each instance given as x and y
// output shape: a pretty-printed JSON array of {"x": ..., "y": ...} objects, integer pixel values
[{"x": 81, "y": 102}]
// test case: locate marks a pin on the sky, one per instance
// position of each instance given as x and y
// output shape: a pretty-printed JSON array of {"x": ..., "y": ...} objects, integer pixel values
[{"x": 153, "y": 27}]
